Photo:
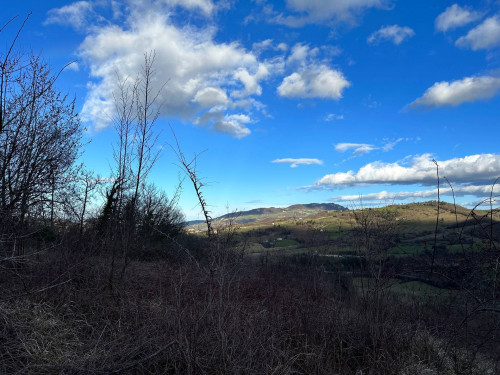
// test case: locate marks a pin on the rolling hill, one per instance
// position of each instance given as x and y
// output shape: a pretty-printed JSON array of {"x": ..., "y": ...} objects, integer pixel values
[{"x": 296, "y": 210}]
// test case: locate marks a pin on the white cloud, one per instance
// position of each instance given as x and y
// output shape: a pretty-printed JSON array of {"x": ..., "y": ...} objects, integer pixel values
[
  {"x": 332, "y": 116},
  {"x": 455, "y": 16},
  {"x": 250, "y": 82},
  {"x": 469, "y": 169},
  {"x": 390, "y": 145},
  {"x": 484, "y": 36},
  {"x": 357, "y": 148},
  {"x": 233, "y": 125},
  {"x": 283, "y": 47},
  {"x": 311, "y": 77},
  {"x": 468, "y": 89},
  {"x": 258, "y": 47},
  {"x": 301, "y": 54},
  {"x": 73, "y": 66},
  {"x": 205, "y": 80},
  {"x": 74, "y": 15},
  {"x": 205, "y": 6},
  {"x": 384, "y": 195},
  {"x": 294, "y": 163},
  {"x": 320, "y": 11},
  {"x": 210, "y": 97},
  {"x": 314, "y": 82},
  {"x": 395, "y": 34},
  {"x": 268, "y": 44},
  {"x": 458, "y": 191}
]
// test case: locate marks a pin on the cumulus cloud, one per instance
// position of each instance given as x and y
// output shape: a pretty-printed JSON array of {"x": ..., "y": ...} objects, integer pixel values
[
  {"x": 314, "y": 82},
  {"x": 250, "y": 81},
  {"x": 233, "y": 125},
  {"x": 455, "y": 16},
  {"x": 318, "y": 11},
  {"x": 394, "y": 34},
  {"x": 294, "y": 163},
  {"x": 74, "y": 15},
  {"x": 311, "y": 77},
  {"x": 457, "y": 92},
  {"x": 484, "y": 36},
  {"x": 421, "y": 170},
  {"x": 458, "y": 191},
  {"x": 207, "y": 82},
  {"x": 210, "y": 97},
  {"x": 357, "y": 148}
]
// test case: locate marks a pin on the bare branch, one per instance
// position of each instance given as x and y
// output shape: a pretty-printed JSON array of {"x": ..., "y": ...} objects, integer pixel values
[{"x": 190, "y": 170}]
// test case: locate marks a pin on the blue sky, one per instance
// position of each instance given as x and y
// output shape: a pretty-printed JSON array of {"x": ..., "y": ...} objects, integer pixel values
[{"x": 295, "y": 101}]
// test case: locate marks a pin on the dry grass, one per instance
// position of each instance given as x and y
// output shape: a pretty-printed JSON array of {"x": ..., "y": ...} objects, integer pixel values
[{"x": 232, "y": 318}]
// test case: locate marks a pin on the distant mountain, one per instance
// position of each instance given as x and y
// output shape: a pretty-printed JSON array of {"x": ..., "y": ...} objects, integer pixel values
[
  {"x": 268, "y": 212},
  {"x": 194, "y": 222},
  {"x": 290, "y": 210},
  {"x": 318, "y": 206},
  {"x": 255, "y": 211}
]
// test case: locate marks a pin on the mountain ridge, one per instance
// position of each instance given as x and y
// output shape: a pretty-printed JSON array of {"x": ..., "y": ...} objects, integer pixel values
[{"x": 295, "y": 209}]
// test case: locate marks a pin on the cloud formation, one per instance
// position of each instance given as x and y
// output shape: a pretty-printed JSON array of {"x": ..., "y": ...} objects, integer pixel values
[
  {"x": 357, "y": 148},
  {"x": 208, "y": 83},
  {"x": 484, "y": 36},
  {"x": 317, "y": 11},
  {"x": 394, "y": 34},
  {"x": 459, "y": 191},
  {"x": 314, "y": 82},
  {"x": 454, "y": 93},
  {"x": 455, "y": 16},
  {"x": 204, "y": 6},
  {"x": 311, "y": 77},
  {"x": 421, "y": 170},
  {"x": 294, "y": 163},
  {"x": 233, "y": 125},
  {"x": 332, "y": 116},
  {"x": 75, "y": 15},
  {"x": 391, "y": 144}
]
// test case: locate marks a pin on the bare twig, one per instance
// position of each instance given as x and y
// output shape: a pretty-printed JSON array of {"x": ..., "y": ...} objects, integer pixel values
[
  {"x": 491, "y": 212},
  {"x": 437, "y": 218},
  {"x": 454, "y": 202}
]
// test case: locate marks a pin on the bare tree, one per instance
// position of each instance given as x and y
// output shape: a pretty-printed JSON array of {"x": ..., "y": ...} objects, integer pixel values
[
  {"x": 79, "y": 196},
  {"x": 132, "y": 209},
  {"x": 147, "y": 113},
  {"x": 40, "y": 136},
  {"x": 189, "y": 167},
  {"x": 124, "y": 120},
  {"x": 136, "y": 112}
]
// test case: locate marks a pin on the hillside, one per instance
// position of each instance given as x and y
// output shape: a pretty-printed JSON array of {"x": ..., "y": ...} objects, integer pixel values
[{"x": 258, "y": 214}]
